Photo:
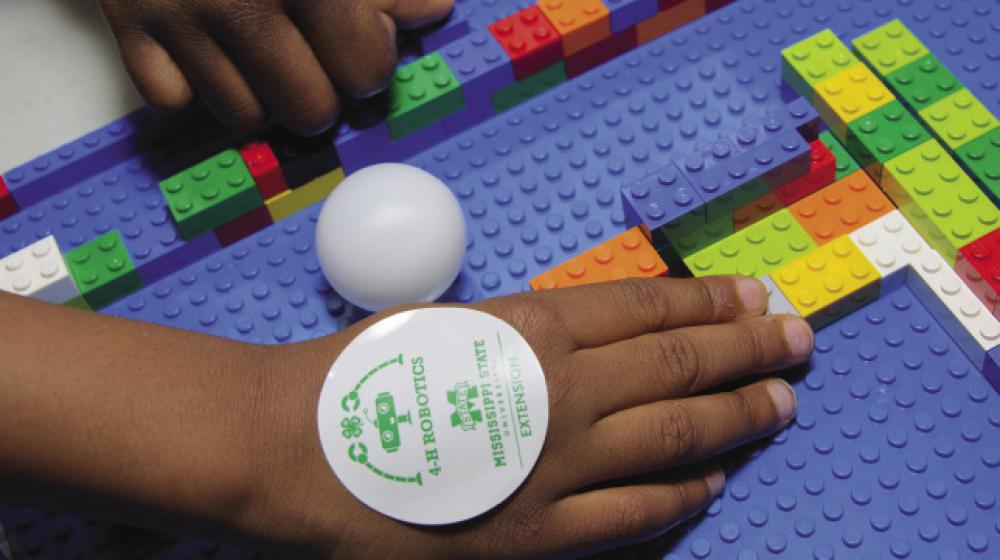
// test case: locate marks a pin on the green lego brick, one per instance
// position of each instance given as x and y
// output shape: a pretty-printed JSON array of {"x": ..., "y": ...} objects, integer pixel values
[
  {"x": 845, "y": 161},
  {"x": 814, "y": 59},
  {"x": 981, "y": 158},
  {"x": 103, "y": 270},
  {"x": 958, "y": 118},
  {"x": 422, "y": 92},
  {"x": 211, "y": 193},
  {"x": 78, "y": 303},
  {"x": 923, "y": 82},
  {"x": 883, "y": 134},
  {"x": 691, "y": 233},
  {"x": 889, "y": 47},
  {"x": 756, "y": 250},
  {"x": 939, "y": 198},
  {"x": 533, "y": 85}
]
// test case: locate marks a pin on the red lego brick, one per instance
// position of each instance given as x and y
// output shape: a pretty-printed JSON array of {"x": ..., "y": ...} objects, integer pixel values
[
  {"x": 8, "y": 206},
  {"x": 627, "y": 255},
  {"x": 264, "y": 168},
  {"x": 251, "y": 222},
  {"x": 822, "y": 172},
  {"x": 599, "y": 53},
  {"x": 978, "y": 264},
  {"x": 530, "y": 39}
]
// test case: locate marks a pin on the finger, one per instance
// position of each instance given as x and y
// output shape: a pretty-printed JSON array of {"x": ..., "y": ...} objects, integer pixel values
[
  {"x": 600, "y": 314},
  {"x": 683, "y": 362},
  {"x": 157, "y": 77},
  {"x": 351, "y": 41},
  {"x": 282, "y": 70},
  {"x": 612, "y": 517},
  {"x": 410, "y": 14},
  {"x": 669, "y": 434},
  {"x": 216, "y": 79}
]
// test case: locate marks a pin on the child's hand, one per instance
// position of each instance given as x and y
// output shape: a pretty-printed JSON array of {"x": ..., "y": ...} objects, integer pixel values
[
  {"x": 633, "y": 426},
  {"x": 254, "y": 59}
]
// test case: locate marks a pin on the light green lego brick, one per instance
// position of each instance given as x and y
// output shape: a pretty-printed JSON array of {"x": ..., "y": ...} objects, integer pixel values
[
  {"x": 422, "y": 92},
  {"x": 845, "y": 161},
  {"x": 981, "y": 158},
  {"x": 923, "y": 82},
  {"x": 814, "y": 59},
  {"x": 530, "y": 87},
  {"x": 889, "y": 47},
  {"x": 755, "y": 250},
  {"x": 958, "y": 118},
  {"x": 939, "y": 198},
  {"x": 210, "y": 194},
  {"x": 103, "y": 270}
]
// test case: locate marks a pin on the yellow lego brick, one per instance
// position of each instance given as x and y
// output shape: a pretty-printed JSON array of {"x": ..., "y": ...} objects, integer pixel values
[
  {"x": 849, "y": 95},
  {"x": 294, "y": 200},
  {"x": 827, "y": 282}
]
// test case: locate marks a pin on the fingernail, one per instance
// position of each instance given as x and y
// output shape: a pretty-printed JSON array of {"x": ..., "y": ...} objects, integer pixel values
[
  {"x": 716, "y": 481},
  {"x": 753, "y": 295},
  {"x": 799, "y": 337},
  {"x": 783, "y": 397}
]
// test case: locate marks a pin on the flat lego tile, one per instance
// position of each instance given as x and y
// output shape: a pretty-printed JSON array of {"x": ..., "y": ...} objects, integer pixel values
[
  {"x": 847, "y": 96},
  {"x": 581, "y": 23},
  {"x": 777, "y": 303},
  {"x": 293, "y": 201},
  {"x": 668, "y": 20},
  {"x": 102, "y": 270},
  {"x": 845, "y": 161},
  {"x": 625, "y": 14},
  {"x": 889, "y": 47},
  {"x": 480, "y": 64},
  {"x": 8, "y": 206},
  {"x": 883, "y": 134},
  {"x": 978, "y": 265},
  {"x": 822, "y": 172},
  {"x": 530, "y": 39},
  {"x": 422, "y": 92},
  {"x": 810, "y": 62},
  {"x": 981, "y": 158},
  {"x": 756, "y": 250},
  {"x": 38, "y": 271},
  {"x": 626, "y": 255},
  {"x": 264, "y": 168},
  {"x": 958, "y": 118},
  {"x": 210, "y": 194},
  {"x": 841, "y": 208},
  {"x": 923, "y": 82},
  {"x": 823, "y": 278},
  {"x": 939, "y": 199}
]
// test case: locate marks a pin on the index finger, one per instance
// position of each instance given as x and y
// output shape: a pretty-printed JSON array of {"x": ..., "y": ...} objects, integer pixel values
[{"x": 601, "y": 314}]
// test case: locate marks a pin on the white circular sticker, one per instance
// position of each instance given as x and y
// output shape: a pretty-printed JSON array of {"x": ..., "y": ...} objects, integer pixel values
[{"x": 434, "y": 416}]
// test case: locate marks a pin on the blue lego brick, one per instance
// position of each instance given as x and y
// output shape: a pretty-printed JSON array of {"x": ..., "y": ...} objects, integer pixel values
[
  {"x": 479, "y": 63},
  {"x": 660, "y": 199},
  {"x": 894, "y": 453},
  {"x": 627, "y": 13}
]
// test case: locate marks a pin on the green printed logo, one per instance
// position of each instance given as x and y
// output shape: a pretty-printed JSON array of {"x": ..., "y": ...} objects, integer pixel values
[{"x": 465, "y": 416}]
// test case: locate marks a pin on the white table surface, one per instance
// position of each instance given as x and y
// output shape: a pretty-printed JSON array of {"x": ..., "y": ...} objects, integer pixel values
[{"x": 60, "y": 76}]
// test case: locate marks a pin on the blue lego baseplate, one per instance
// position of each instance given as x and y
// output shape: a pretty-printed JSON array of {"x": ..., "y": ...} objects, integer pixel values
[{"x": 895, "y": 450}]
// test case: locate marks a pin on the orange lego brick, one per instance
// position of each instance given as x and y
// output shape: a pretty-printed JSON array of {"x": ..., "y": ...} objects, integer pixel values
[
  {"x": 841, "y": 207},
  {"x": 627, "y": 255},
  {"x": 755, "y": 211},
  {"x": 581, "y": 23},
  {"x": 669, "y": 19}
]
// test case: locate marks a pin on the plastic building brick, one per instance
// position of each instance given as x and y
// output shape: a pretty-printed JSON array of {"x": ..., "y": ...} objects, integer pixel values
[
  {"x": 421, "y": 93},
  {"x": 580, "y": 23},
  {"x": 923, "y": 82},
  {"x": 890, "y": 243},
  {"x": 627, "y": 255},
  {"x": 293, "y": 201},
  {"x": 889, "y": 47},
  {"x": 264, "y": 168},
  {"x": 659, "y": 199},
  {"x": 304, "y": 158},
  {"x": 530, "y": 40},
  {"x": 841, "y": 208},
  {"x": 625, "y": 14},
  {"x": 210, "y": 194},
  {"x": 8, "y": 206},
  {"x": 253, "y": 221},
  {"x": 813, "y": 60},
  {"x": 883, "y": 134},
  {"x": 668, "y": 20},
  {"x": 756, "y": 250},
  {"x": 777, "y": 303},
  {"x": 978, "y": 265},
  {"x": 530, "y": 87},
  {"x": 981, "y": 158},
  {"x": 480, "y": 65},
  {"x": 601, "y": 52},
  {"x": 39, "y": 272},
  {"x": 822, "y": 172},
  {"x": 103, "y": 270},
  {"x": 849, "y": 95},
  {"x": 958, "y": 118},
  {"x": 939, "y": 199},
  {"x": 845, "y": 161},
  {"x": 746, "y": 216},
  {"x": 828, "y": 281}
]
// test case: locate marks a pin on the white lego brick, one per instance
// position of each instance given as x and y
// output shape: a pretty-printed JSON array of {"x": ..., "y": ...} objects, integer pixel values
[
  {"x": 777, "y": 303},
  {"x": 890, "y": 243},
  {"x": 39, "y": 272}
]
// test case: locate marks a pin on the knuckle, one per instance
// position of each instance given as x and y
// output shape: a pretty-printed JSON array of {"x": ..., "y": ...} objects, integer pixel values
[
  {"x": 676, "y": 360},
  {"x": 746, "y": 412},
  {"x": 676, "y": 433},
  {"x": 632, "y": 515},
  {"x": 706, "y": 299},
  {"x": 640, "y": 298}
]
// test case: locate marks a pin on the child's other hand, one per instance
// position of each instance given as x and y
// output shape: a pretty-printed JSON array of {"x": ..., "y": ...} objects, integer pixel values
[{"x": 250, "y": 60}]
